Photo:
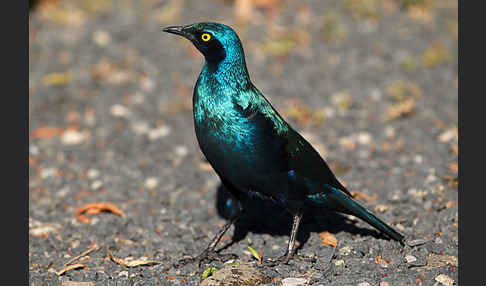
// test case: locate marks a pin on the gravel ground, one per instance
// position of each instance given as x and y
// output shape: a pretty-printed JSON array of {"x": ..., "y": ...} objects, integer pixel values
[{"x": 372, "y": 84}]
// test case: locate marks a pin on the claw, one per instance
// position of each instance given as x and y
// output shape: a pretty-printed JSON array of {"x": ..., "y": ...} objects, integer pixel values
[{"x": 286, "y": 258}]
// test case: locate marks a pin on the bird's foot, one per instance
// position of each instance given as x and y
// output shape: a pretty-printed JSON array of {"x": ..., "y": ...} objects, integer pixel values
[
  {"x": 275, "y": 262},
  {"x": 286, "y": 258},
  {"x": 206, "y": 257}
]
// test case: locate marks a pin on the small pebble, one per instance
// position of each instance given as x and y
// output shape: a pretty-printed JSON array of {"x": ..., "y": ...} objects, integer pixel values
[
  {"x": 431, "y": 178},
  {"x": 389, "y": 132},
  {"x": 96, "y": 184},
  {"x": 157, "y": 133},
  {"x": 382, "y": 208},
  {"x": 33, "y": 150},
  {"x": 140, "y": 127},
  {"x": 294, "y": 281},
  {"x": 118, "y": 110},
  {"x": 410, "y": 258},
  {"x": 180, "y": 151},
  {"x": 418, "y": 159},
  {"x": 345, "y": 250},
  {"x": 101, "y": 38},
  {"x": 73, "y": 137},
  {"x": 123, "y": 273},
  {"x": 444, "y": 280},
  {"x": 147, "y": 84},
  {"x": 364, "y": 284},
  {"x": 416, "y": 242},
  {"x": 92, "y": 173},
  {"x": 364, "y": 138},
  {"x": 48, "y": 172},
  {"x": 151, "y": 183},
  {"x": 138, "y": 98},
  {"x": 375, "y": 94},
  {"x": 339, "y": 262}
]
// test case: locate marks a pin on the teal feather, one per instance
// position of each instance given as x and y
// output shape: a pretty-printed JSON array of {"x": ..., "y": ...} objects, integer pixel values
[{"x": 249, "y": 145}]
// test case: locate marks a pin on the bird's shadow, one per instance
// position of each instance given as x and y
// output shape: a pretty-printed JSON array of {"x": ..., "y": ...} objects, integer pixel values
[{"x": 261, "y": 216}]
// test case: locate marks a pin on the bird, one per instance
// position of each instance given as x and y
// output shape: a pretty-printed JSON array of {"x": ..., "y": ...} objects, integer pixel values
[{"x": 250, "y": 146}]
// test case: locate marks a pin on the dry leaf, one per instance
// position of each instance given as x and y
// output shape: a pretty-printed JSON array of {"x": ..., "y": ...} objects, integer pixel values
[
  {"x": 95, "y": 208},
  {"x": 70, "y": 267},
  {"x": 131, "y": 263},
  {"x": 57, "y": 78},
  {"x": 255, "y": 253},
  {"x": 449, "y": 204},
  {"x": 454, "y": 167},
  {"x": 46, "y": 132},
  {"x": 434, "y": 261},
  {"x": 400, "y": 109},
  {"x": 455, "y": 148},
  {"x": 362, "y": 196},
  {"x": 43, "y": 229},
  {"x": 328, "y": 238},
  {"x": 96, "y": 247},
  {"x": 449, "y": 135}
]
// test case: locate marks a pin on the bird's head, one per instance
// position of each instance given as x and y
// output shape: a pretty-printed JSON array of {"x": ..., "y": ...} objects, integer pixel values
[{"x": 214, "y": 40}]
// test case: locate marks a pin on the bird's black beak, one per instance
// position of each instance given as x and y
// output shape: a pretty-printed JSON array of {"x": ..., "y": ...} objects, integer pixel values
[{"x": 178, "y": 30}]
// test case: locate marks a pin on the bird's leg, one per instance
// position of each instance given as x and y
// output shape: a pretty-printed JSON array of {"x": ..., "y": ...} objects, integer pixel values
[
  {"x": 209, "y": 254},
  {"x": 291, "y": 246}
]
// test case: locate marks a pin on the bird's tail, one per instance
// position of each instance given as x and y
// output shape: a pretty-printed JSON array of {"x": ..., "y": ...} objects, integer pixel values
[{"x": 350, "y": 206}]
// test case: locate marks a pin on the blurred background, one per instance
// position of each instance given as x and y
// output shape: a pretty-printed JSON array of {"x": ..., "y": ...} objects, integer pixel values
[{"x": 372, "y": 84}]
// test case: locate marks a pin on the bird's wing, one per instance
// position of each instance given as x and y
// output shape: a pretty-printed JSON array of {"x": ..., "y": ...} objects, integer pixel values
[
  {"x": 307, "y": 162},
  {"x": 284, "y": 150}
]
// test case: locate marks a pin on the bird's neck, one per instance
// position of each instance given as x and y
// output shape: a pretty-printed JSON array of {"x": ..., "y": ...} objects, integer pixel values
[{"x": 230, "y": 72}]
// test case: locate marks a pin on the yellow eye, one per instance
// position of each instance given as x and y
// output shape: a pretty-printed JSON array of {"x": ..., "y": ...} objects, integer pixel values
[{"x": 206, "y": 37}]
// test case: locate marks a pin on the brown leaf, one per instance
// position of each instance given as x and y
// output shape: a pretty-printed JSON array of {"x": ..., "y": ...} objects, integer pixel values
[
  {"x": 362, "y": 196},
  {"x": 400, "y": 109},
  {"x": 434, "y": 261},
  {"x": 70, "y": 267},
  {"x": 46, "y": 132},
  {"x": 455, "y": 148},
  {"x": 95, "y": 208},
  {"x": 131, "y": 263},
  {"x": 449, "y": 204},
  {"x": 454, "y": 167},
  {"x": 328, "y": 238},
  {"x": 449, "y": 134},
  {"x": 94, "y": 248}
]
